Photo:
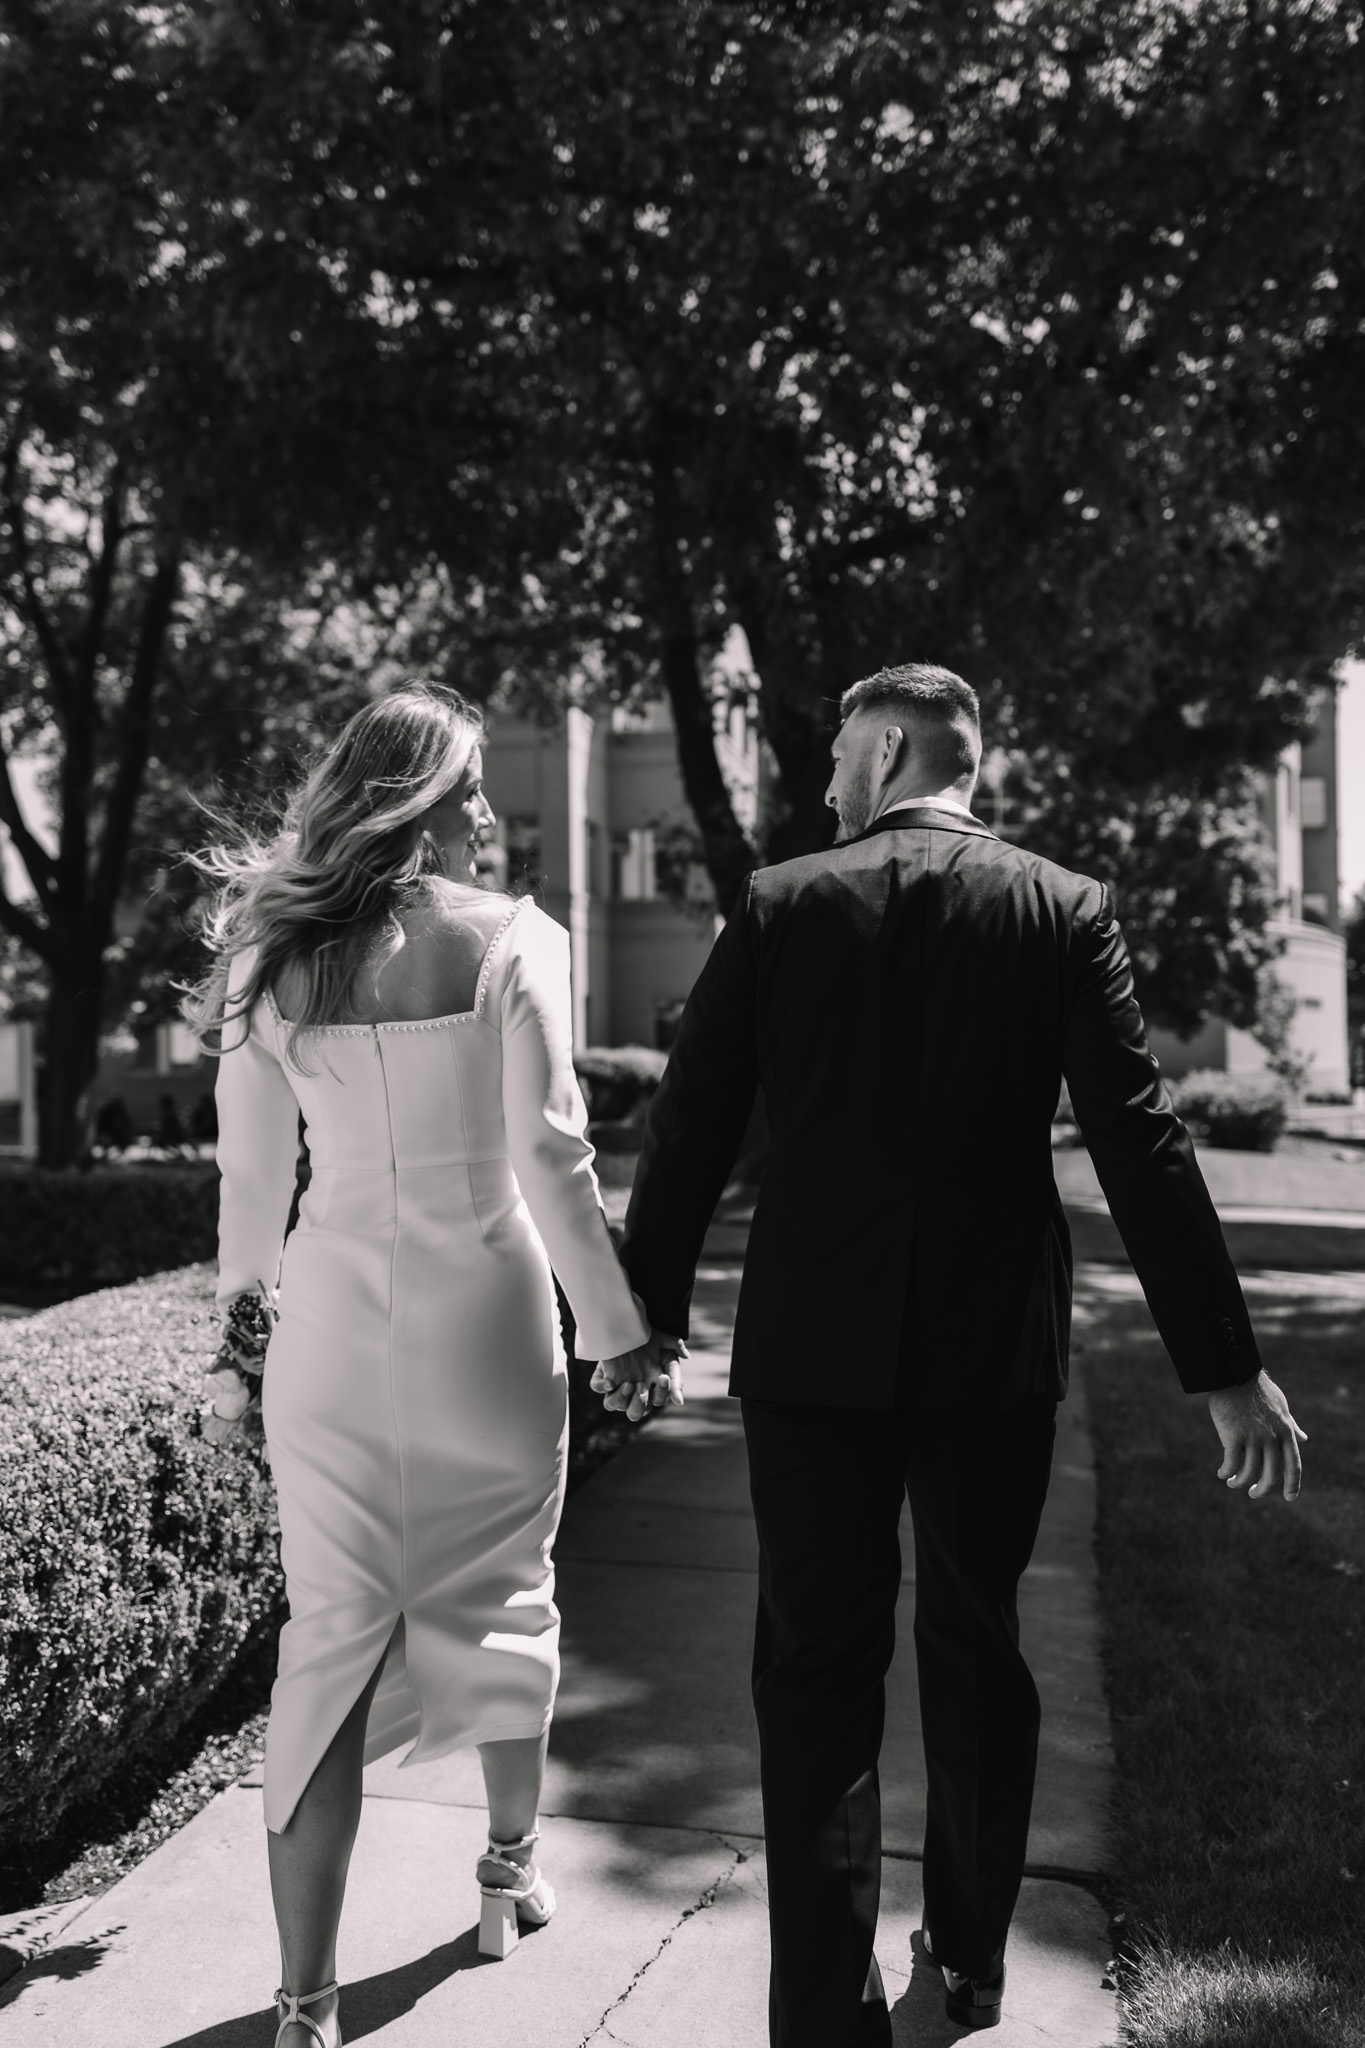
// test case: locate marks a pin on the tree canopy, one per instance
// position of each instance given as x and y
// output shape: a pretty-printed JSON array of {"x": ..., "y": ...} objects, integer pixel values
[{"x": 1023, "y": 338}]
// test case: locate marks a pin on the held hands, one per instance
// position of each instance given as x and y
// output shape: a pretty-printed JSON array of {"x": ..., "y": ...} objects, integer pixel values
[
  {"x": 647, "y": 1378},
  {"x": 1260, "y": 1438}
]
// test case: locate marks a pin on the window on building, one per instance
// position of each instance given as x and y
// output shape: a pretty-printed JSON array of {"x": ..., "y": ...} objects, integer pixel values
[
  {"x": 182, "y": 1047},
  {"x": 1314, "y": 908},
  {"x": 1313, "y": 803},
  {"x": 145, "y": 1054},
  {"x": 634, "y": 870}
]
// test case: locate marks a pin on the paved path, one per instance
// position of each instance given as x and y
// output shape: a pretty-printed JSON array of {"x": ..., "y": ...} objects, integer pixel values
[
  {"x": 1277, "y": 1210},
  {"x": 652, "y": 1828}
]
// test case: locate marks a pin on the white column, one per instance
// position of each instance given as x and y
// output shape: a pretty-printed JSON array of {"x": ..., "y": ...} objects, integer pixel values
[
  {"x": 1289, "y": 832},
  {"x": 19, "y": 1080},
  {"x": 580, "y": 882}
]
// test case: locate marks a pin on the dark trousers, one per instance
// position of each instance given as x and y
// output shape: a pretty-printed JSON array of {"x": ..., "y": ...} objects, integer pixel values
[{"x": 827, "y": 1486}]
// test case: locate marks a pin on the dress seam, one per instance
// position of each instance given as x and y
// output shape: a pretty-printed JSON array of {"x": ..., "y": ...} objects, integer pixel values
[
  {"x": 464, "y": 1133},
  {"x": 393, "y": 1397}
]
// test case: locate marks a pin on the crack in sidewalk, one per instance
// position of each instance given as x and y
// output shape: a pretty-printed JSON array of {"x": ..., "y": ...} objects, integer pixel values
[{"x": 707, "y": 1899}]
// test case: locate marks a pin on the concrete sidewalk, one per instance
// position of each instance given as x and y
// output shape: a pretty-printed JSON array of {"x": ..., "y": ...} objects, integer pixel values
[
  {"x": 1305, "y": 1215},
  {"x": 652, "y": 1829}
]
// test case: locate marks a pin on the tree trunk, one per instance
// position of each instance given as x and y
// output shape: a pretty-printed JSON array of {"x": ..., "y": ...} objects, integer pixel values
[
  {"x": 70, "y": 1058},
  {"x": 790, "y": 636},
  {"x": 730, "y": 857},
  {"x": 798, "y": 724},
  {"x": 799, "y": 735},
  {"x": 81, "y": 906}
]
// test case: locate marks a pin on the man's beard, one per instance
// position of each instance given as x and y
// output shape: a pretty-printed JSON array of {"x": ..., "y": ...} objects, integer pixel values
[{"x": 855, "y": 805}]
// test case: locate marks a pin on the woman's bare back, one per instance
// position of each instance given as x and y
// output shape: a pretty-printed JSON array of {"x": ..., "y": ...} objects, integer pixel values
[{"x": 433, "y": 973}]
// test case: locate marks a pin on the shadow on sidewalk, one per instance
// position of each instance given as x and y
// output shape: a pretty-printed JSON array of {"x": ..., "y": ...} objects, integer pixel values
[
  {"x": 918, "y": 2017},
  {"x": 367, "y": 2004},
  {"x": 71, "y": 1960}
]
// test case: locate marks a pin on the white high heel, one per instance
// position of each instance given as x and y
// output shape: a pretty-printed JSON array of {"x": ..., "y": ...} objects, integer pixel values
[
  {"x": 527, "y": 1901},
  {"x": 290, "y": 2016}
]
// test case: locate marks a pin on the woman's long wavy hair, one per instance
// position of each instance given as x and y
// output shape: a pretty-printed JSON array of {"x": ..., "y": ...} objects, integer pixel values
[{"x": 318, "y": 895}]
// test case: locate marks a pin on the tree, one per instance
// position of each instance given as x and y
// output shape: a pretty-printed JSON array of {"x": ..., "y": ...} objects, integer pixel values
[
  {"x": 1021, "y": 336},
  {"x": 1024, "y": 336},
  {"x": 165, "y": 434}
]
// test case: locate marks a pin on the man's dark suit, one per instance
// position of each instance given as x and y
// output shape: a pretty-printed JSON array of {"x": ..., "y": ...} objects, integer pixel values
[{"x": 909, "y": 1002}]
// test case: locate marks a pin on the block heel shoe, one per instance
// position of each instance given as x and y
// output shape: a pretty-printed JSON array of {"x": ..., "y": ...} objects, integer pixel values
[{"x": 526, "y": 1901}]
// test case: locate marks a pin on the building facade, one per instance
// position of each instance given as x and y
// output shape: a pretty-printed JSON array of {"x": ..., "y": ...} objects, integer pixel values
[
  {"x": 593, "y": 818},
  {"x": 1299, "y": 810}
]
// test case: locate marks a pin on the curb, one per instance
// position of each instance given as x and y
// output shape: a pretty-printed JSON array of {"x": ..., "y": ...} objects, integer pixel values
[{"x": 1293, "y": 1240}]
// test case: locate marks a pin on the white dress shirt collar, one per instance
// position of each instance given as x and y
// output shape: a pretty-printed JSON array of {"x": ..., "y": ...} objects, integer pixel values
[{"x": 913, "y": 803}]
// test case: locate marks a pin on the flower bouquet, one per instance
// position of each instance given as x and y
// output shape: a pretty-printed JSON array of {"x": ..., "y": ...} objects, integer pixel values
[{"x": 232, "y": 1386}]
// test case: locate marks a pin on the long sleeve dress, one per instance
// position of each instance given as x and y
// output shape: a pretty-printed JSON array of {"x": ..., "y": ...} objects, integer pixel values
[{"x": 415, "y": 1391}]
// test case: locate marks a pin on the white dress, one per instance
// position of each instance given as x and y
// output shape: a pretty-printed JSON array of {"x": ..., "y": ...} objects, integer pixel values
[{"x": 415, "y": 1392}]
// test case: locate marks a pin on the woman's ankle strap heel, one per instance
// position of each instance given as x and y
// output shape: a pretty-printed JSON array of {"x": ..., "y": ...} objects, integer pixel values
[
  {"x": 526, "y": 1900},
  {"x": 289, "y": 2004}
]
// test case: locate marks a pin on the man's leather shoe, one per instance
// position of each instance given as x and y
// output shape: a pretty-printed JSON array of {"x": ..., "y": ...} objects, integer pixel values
[{"x": 971, "y": 2001}]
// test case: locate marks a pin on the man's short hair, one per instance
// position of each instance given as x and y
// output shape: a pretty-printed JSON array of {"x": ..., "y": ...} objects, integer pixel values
[{"x": 922, "y": 694}]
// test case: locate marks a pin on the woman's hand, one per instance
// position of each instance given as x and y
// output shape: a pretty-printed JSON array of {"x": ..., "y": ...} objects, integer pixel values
[
  {"x": 232, "y": 1385},
  {"x": 639, "y": 1381}
]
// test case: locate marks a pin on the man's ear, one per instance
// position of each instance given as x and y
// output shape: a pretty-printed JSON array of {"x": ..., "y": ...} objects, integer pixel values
[{"x": 893, "y": 747}]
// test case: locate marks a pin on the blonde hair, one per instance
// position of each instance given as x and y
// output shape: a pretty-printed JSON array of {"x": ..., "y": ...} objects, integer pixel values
[{"x": 317, "y": 894}]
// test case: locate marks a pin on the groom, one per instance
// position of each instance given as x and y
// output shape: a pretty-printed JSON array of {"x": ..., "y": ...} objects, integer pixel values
[{"x": 910, "y": 1001}]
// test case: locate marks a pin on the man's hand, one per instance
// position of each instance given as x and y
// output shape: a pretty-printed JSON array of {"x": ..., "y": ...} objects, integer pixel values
[
  {"x": 1260, "y": 1438},
  {"x": 647, "y": 1378}
]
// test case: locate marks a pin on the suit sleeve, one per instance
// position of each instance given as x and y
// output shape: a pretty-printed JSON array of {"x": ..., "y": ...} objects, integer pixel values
[
  {"x": 696, "y": 1125},
  {"x": 1147, "y": 1167},
  {"x": 258, "y": 1152},
  {"x": 547, "y": 1139}
]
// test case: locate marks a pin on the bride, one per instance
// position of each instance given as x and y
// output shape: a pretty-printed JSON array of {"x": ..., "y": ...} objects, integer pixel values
[{"x": 414, "y": 1392}]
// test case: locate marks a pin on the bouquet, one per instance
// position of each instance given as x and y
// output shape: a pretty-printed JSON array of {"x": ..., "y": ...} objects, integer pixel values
[{"x": 232, "y": 1386}]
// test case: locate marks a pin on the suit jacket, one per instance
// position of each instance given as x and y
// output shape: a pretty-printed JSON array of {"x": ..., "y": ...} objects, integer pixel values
[{"x": 909, "y": 1002}]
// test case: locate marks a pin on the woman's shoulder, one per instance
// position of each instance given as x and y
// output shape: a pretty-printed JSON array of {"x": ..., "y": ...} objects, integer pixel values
[
  {"x": 462, "y": 902},
  {"x": 534, "y": 927},
  {"x": 527, "y": 940},
  {"x": 237, "y": 969}
]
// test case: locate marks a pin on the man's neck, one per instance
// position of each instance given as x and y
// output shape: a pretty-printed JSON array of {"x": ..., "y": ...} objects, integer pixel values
[{"x": 955, "y": 798}]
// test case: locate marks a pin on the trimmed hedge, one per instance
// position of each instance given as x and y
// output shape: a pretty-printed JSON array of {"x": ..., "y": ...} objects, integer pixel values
[
  {"x": 105, "y": 1225},
  {"x": 135, "y": 1560},
  {"x": 1237, "y": 1112}
]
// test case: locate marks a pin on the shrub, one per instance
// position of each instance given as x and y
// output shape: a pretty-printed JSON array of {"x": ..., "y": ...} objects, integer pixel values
[
  {"x": 618, "y": 1080},
  {"x": 135, "y": 1560},
  {"x": 1240, "y": 1112},
  {"x": 107, "y": 1225}
]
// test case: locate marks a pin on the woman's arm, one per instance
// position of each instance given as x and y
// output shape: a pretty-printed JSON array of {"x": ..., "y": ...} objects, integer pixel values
[
  {"x": 547, "y": 1140},
  {"x": 258, "y": 1149}
]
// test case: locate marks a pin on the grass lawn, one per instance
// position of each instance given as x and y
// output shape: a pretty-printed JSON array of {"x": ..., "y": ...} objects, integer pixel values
[{"x": 1235, "y": 1663}]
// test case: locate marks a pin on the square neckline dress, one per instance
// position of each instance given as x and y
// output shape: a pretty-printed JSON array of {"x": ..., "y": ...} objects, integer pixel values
[{"x": 415, "y": 1389}]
